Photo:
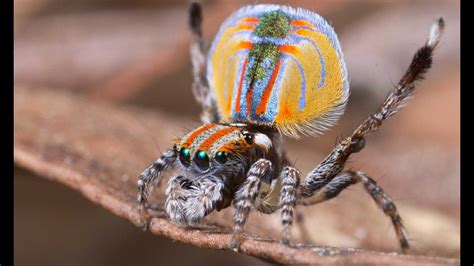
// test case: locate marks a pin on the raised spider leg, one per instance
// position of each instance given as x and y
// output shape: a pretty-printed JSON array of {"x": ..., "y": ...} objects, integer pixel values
[
  {"x": 151, "y": 176},
  {"x": 198, "y": 58},
  {"x": 382, "y": 199},
  {"x": 399, "y": 96},
  {"x": 396, "y": 99},
  {"x": 290, "y": 181},
  {"x": 334, "y": 163},
  {"x": 245, "y": 198}
]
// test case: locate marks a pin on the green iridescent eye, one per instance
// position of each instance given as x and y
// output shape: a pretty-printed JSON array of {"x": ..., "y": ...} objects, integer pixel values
[
  {"x": 221, "y": 157},
  {"x": 202, "y": 160},
  {"x": 184, "y": 156}
]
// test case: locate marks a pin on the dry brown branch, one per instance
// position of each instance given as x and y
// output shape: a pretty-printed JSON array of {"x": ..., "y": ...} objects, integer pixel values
[{"x": 99, "y": 149}]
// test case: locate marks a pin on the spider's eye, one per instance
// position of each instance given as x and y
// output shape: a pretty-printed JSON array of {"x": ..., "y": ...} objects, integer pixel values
[
  {"x": 202, "y": 160},
  {"x": 221, "y": 157},
  {"x": 184, "y": 156},
  {"x": 249, "y": 137}
]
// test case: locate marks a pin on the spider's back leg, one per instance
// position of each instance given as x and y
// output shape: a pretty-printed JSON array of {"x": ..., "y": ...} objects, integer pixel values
[
  {"x": 325, "y": 181},
  {"x": 381, "y": 198},
  {"x": 198, "y": 58},
  {"x": 396, "y": 99}
]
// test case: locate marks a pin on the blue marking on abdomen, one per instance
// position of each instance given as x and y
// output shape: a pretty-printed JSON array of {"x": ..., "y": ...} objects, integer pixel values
[
  {"x": 321, "y": 61},
  {"x": 302, "y": 100},
  {"x": 237, "y": 80}
]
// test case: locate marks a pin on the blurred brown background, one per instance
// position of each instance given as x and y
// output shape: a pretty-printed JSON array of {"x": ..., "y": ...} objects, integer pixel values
[{"x": 135, "y": 53}]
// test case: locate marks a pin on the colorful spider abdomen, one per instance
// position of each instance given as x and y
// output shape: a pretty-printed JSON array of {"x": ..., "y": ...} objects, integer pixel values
[{"x": 278, "y": 66}]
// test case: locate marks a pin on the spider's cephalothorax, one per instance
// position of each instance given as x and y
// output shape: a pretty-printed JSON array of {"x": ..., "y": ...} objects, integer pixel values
[
  {"x": 214, "y": 159},
  {"x": 271, "y": 71}
]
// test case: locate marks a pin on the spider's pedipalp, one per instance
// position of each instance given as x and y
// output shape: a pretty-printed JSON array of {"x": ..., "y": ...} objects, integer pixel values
[{"x": 189, "y": 201}]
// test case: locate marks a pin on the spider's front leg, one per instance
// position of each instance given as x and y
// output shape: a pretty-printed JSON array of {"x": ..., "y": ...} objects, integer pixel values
[
  {"x": 246, "y": 196},
  {"x": 198, "y": 58},
  {"x": 148, "y": 178},
  {"x": 290, "y": 178}
]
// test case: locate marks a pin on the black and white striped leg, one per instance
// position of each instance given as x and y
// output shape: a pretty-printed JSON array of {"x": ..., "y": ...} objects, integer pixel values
[
  {"x": 150, "y": 177},
  {"x": 245, "y": 198},
  {"x": 397, "y": 98},
  {"x": 382, "y": 199},
  {"x": 198, "y": 58},
  {"x": 290, "y": 181}
]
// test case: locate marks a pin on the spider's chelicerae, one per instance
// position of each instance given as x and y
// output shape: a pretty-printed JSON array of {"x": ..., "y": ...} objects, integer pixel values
[{"x": 271, "y": 71}]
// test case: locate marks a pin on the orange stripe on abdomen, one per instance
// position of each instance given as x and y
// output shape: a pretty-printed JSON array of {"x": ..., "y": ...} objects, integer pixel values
[
  {"x": 249, "y": 20},
  {"x": 244, "y": 45},
  {"x": 262, "y": 106},
  {"x": 290, "y": 49},
  {"x": 198, "y": 131},
  {"x": 245, "y": 27},
  {"x": 248, "y": 99},
  {"x": 206, "y": 145},
  {"x": 301, "y": 23}
]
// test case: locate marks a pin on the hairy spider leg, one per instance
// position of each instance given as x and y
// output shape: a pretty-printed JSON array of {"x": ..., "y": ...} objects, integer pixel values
[
  {"x": 290, "y": 179},
  {"x": 246, "y": 196},
  {"x": 200, "y": 85},
  {"x": 381, "y": 198},
  {"x": 149, "y": 178},
  {"x": 334, "y": 163}
]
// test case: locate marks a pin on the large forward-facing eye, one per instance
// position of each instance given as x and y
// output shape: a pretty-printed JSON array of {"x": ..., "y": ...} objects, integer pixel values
[
  {"x": 221, "y": 157},
  {"x": 202, "y": 160},
  {"x": 185, "y": 156}
]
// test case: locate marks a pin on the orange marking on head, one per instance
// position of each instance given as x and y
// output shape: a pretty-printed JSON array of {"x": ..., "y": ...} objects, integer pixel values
[
  {"x": 239, "y": 91},
  {"x": 206, "y": 145},
  {"x": 249, "y": 20},
  {"x": 235, "y": 146},
  {"x": 198, "y": 131},
  {"x": 301, "y": 23},
  {"x": 268, "y": 90}
]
